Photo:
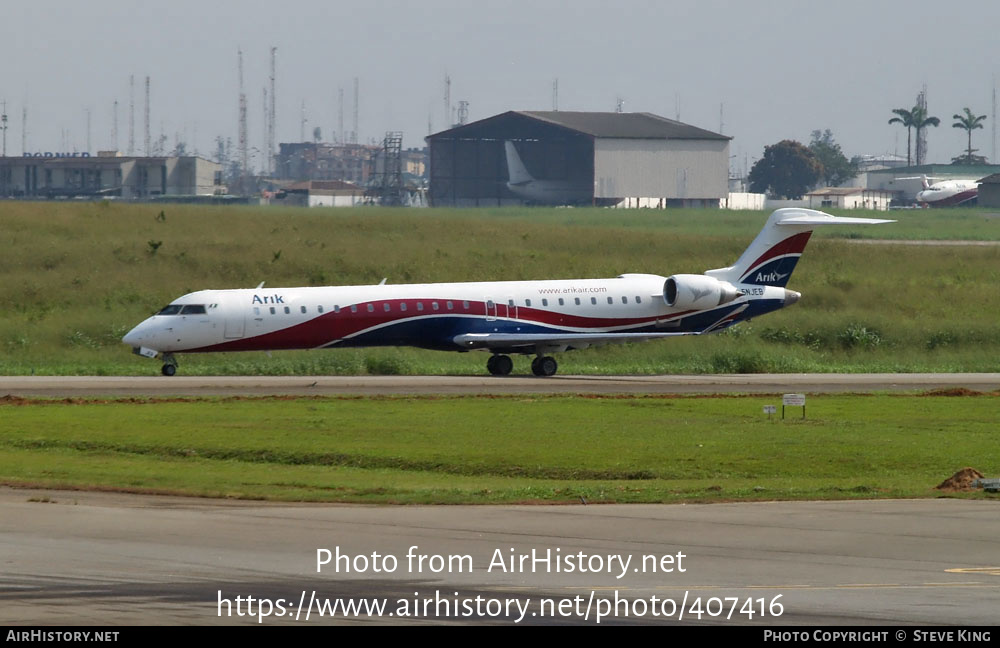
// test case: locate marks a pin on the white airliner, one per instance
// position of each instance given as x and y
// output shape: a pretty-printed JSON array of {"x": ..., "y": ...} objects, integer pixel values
[
  {"x": 947, "y": 193},
  {"x": 501, "y": 317},
  {"x": 542, "y": 192}
]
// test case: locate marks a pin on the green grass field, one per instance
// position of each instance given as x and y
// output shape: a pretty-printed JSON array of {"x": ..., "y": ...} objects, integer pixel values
[
  {"x": 79, "y": 275},
  {"x": 502, "y": 449}
]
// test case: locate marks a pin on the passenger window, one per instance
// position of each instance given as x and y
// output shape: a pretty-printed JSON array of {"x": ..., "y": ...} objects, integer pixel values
[
  {"x": 371, "y": 308},
  {"x": 545, "y": 302},
  {"x": 354, "y": 308},
  {"x": 611, "y": 300},
  {"x": 420, "y": 306},
  {"x": 319, "y": 309},
  {"x": 527, "y": 302},
  {"x": 465, "y": 305},
  {"x": 624, "y": 300},
  {"x": 256, "y": 310},
  {"x": 272, "y": 310},
  {"x": 510, "y": 302},
  {"x": 449, "y": 305},
  {"x": 577, "y": 300},
  {"x": 638, "y": 299},
  {"x": 402, "y": 306},
  {"x": 287, "y": 310},
  {"x": 303, "y": 309},
  {"x": 385, "y": 307},
  {"x": 561, "y": 303},
  {"x": 434, "y": 305},
  {"x": 593, "y": 301}
]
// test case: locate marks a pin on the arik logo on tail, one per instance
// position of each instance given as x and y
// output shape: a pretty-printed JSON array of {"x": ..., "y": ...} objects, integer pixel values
[
  {"x": 268, "y": 299},
  {"x": 770, "y": 278}
]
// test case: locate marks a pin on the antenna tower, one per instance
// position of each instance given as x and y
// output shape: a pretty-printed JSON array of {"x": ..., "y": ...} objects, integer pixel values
[
  {"x": 131, "y": 114},
  {"x": 447, "y": 102},
  {"x": 271, "y": 118},
  {"x": 3, "y": 127},
  {"x": 555, "y": 95},
  {"x": 387, "y": 189},
  {"x": 340, "y": 115},
  {"x": 243, "y": 148},
  {"x": 354, "y": 137},
  {"x": 147, "y": 118},
  {"x": 114, "y": 127},
  {"x": 922, "y": 137}
]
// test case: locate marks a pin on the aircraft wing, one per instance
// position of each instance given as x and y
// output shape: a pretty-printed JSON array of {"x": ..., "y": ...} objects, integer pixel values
[
  {"x": 510, "y": 340},
  {"x": 489, "y": 340}
]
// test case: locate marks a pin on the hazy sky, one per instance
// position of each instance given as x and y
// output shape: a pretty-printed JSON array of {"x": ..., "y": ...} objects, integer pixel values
[{"x": 780, "y": 68}]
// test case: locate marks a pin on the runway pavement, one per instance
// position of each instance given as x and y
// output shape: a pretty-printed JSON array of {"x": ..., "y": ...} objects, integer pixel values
[
  {"x": 109, "y": 559},
  {"x": 70, "y": 386}
]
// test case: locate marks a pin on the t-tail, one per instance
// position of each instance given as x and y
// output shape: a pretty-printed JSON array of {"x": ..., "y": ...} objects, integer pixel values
[
  {"x": 517, "y": 173},
  {"x": 771, "y": 257}
]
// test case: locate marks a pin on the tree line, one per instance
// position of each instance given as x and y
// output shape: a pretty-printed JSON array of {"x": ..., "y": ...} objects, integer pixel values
[{"x": 790, "y": 169}]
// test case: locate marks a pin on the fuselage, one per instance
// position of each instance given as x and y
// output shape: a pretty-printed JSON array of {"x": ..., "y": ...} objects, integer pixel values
[
  {"x": 552, "y": 192},
  {"x": 429, "y": 315},
  {"x": 949, "y": 193}
]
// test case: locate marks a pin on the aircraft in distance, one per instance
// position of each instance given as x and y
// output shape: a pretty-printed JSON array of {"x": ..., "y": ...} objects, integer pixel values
[
  {"x": 502, "y": 317},
  {"x": 542, "y": 192},
  {"x": 947, "y": 193}
]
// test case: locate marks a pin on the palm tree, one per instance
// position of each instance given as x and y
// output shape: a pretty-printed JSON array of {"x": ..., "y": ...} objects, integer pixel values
[
  {"x": 906, "y": 119},
  {"x": 920, "y": 122},
  {"x": 969, "y": 123}
]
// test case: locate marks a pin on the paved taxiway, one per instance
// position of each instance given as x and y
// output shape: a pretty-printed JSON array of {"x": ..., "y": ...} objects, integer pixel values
[
  {"x": 68, "y": 386},
  {"x": 93, "y": 558}
]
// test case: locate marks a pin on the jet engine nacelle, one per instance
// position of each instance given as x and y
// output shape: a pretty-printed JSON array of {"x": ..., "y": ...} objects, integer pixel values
[{"x": 697, "y": 292}]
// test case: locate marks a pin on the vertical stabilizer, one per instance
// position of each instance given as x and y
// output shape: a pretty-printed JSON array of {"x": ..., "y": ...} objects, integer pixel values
[
  {"x": 517, "y": 174},
  {"x": 772, "y": 256}
]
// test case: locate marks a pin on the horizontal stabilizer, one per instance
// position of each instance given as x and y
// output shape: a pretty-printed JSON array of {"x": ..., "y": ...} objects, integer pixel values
[{"x": 818, "y": 218}]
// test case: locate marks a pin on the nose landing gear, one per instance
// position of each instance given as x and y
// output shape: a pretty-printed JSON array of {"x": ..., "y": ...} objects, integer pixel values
[{"x": 169, "y": 367}]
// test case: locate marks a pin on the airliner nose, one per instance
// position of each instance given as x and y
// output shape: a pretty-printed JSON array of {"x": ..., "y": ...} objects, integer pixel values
[{"x": 133, "y": 337}]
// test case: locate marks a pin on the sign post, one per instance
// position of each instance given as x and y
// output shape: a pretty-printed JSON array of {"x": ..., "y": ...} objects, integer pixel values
[{"x": 793, "y": 400}]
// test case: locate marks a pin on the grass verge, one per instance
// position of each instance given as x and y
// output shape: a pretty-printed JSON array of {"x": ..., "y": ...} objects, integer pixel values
[{"x": 450, "y": 450}]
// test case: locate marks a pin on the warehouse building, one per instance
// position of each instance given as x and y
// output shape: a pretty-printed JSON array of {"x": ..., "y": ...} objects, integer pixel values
[
  {"x": 619, "y": 158},
  {"x": 108, "y": 175}
]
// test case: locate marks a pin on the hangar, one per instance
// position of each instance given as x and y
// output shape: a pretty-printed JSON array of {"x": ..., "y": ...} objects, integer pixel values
[{"x": 638, "y": 159}]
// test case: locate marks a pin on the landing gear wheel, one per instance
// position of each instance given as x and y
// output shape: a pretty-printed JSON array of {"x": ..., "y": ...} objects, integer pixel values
[
  {"x": 168, "y": 369},
  {"x": 500, "y": 365},
  {"x": 544, "y": 366}
]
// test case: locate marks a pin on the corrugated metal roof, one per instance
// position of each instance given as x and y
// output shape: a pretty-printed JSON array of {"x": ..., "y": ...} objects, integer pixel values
[{"x": 623, "y": 125}]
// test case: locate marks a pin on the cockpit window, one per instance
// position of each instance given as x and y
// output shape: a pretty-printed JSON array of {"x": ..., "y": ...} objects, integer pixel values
[
  {"x": 193, "y": 309},
  {"x": 172, "y": 309}
]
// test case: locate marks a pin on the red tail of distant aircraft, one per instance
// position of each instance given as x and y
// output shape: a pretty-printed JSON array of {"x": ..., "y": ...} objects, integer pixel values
[{"x": 503, "y": 318}]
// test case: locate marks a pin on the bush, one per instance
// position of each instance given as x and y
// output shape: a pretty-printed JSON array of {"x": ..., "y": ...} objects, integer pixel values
[{"x": 859, "y": 336}]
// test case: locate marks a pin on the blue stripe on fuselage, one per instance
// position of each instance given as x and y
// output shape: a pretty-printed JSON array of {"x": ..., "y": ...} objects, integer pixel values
[{"x": 438, "y": 332}]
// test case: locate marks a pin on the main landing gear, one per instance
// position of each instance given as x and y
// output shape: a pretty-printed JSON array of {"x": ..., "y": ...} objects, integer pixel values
[
  {"x": 169, "y": 367},
  {"x": 501, "y": 365},
  {"x": 544, "y": 366}
]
